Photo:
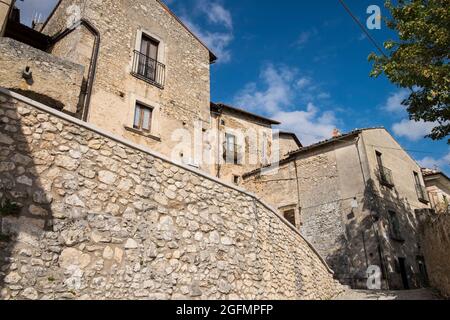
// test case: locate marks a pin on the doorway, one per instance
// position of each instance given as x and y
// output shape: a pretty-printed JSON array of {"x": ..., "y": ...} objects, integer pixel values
[
  {"x": 403, "y": 272},
  {"x": 423, "y": 271}
]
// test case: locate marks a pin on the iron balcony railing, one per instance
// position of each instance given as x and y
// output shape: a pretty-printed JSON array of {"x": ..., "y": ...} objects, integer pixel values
[
  {"x": 149, "y": 69},
  {"x": 422, "y": 193},
  {"x": 385, "y": 176}
]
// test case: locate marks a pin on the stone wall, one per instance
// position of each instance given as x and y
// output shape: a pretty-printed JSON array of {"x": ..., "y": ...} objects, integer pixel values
[
  {"x": 436, "y": 244},
  {"x": 104, "y": 218},
  {"x": 54, "y": 81}
]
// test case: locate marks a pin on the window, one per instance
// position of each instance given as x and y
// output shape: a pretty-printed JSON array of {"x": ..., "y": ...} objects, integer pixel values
[
  {"x": 146, "y": 65},
  {"x": 143, "y": 118},
  {"x": 148, "y": 57},
  {"x": 420, "y": 189},
  {"x": 385, "y": 175},
  {"x": 265, "y": 159},
  {"x": 231, "y": 155},
  {"x": 395, "y": 226},
  {"x": 289, "y": 215},
  {"x": 236, "y": 179}
]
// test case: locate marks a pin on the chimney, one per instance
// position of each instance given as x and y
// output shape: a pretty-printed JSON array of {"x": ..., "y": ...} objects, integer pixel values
[{"x": 336, "y": 133}]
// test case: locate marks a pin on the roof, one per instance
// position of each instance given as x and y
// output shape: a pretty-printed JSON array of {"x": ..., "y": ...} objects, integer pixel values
[
  {"x": 430, "y": 173},
  {"x": 333, "y": 140},
  {"x": 219, "y": 106},
  {"x": 212, "y": 56},
  {"x": 294, "y": 136},
  {"x": 292, "y": 154}
]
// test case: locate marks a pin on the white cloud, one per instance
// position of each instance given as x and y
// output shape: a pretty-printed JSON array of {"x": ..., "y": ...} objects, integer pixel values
[
  {"x": 413, "y": 130},
  {"x": 217, "y": 15},
  {"x": 279, "y": 93},
  {"x": 305, "y": 37},
  {"x": 431, "y": 163},
  {"x": 310, "y": 125},
  {"x": 394, "y": 101}
]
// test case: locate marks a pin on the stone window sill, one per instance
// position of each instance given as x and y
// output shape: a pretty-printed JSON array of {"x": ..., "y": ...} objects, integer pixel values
[{"x": 142, "y": 133}]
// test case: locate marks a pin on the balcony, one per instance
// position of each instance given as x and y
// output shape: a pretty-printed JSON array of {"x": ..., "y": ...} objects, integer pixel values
[
  {"x": 148, "y": 69},
  {"x": 422, "y": 194},
  {"x": 232, "y": 153},
  {"x": 385, "y": 176}
]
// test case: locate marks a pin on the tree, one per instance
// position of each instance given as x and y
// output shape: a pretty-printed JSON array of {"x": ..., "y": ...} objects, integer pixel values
[{"x": 419, "y": 58}]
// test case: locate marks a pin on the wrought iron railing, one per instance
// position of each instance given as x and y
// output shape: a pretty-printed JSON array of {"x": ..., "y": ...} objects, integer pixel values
[
  {"x": 385, "y": 176},
  {"x": 422, "y": 193},
  {"x": 149, "y": 69}
]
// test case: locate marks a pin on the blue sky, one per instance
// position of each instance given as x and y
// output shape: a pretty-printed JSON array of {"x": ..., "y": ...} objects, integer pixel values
[{"x": 301, "y": 62}]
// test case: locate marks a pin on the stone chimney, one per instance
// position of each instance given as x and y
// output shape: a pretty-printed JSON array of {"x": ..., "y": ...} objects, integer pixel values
[{"x": 336, "y": 133}]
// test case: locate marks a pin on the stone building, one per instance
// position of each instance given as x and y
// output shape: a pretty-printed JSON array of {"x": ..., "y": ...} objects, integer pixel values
[
  {"x": 245, "y": 141},
  {"x": 358, "y": 198},
  {"x": 146, "y": 76},
  {"x": 109, "y": 204},
  {"x": 438, "y": 188},
  {"x": 141, "y": 66}
]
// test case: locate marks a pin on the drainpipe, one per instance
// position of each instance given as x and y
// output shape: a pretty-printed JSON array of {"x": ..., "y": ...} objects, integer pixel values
[
  {"x": 374, "y": 228},
  {"x": 299, "y": 203},
  {"x": 219, "y": 118},
  {"x": 93, "y": 64}
]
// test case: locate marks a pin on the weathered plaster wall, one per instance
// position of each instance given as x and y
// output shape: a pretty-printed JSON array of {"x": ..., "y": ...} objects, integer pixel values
[
  {"x": 55, "y": 80},
  {"x": 249, "y": 133},
  {"x": 185, "y": 98},
  {"x": 402, "y": 199},
  {"x": 103, "y": 218},
  {"x": 313, "y": 183},
  {"x": 287, "y": 144},
  {"x": 436, "y": 244},
  {"x": 344, "y": 210}
]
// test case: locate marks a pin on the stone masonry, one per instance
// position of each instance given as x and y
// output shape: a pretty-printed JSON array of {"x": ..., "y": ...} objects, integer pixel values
[
  {"x": 103, "y": 218},
  {"x": 54, "y": 81},
  {"x": 436, "y": 240}
]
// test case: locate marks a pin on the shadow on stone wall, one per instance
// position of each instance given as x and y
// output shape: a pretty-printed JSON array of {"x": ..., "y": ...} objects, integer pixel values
[
  {"x": 363, "y": 245},
  {"x": 20, "y": 185},
  {"x": 380, "y": 202},
  {"x": 41, "y": 98}
]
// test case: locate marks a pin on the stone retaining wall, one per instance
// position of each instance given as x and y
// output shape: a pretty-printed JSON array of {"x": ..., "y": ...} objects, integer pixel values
[
  {"x": 436, "y": 244},
  {"x": 104, "y": 219},
  {"x": 55, "y": 81}
]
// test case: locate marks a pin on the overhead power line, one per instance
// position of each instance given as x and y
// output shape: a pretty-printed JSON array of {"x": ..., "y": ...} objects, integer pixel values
[{"x": 363, "y": 28}]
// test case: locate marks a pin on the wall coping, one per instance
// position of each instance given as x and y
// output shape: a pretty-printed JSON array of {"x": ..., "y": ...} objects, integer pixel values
[{"x": 157, "y": 155}]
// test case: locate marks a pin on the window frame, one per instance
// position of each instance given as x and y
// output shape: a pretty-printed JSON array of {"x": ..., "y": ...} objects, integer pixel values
[{"x": 143, "y": 107}]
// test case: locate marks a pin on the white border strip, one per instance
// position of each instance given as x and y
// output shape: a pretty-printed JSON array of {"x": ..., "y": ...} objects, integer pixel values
[{"x": 141, "y": 148}]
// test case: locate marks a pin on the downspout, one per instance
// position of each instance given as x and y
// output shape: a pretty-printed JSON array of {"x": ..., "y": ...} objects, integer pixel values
[
  {"x": 377, "y": 235},
  {"x": 219, "y": 118},
  {"x": 299, "y": 203},
  {"x": 93, "y": 64}
]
